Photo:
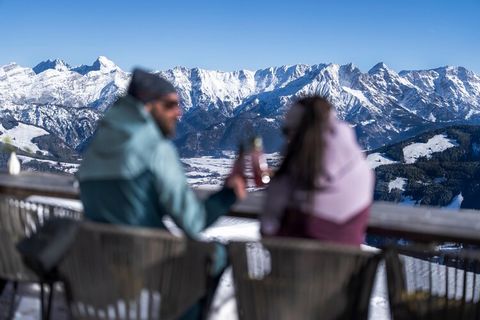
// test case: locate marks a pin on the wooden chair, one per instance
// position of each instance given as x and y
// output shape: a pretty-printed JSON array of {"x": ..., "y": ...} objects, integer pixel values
[
  {"x": 426, "y": 283},
  {"x": 18, "y": 219},
  {"x": 118, "y": 272},
  {"x": 285, "y": 278}
]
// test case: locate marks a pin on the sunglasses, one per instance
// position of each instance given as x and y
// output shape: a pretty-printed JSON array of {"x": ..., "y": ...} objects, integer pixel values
[{"x": 170, "y": 104}]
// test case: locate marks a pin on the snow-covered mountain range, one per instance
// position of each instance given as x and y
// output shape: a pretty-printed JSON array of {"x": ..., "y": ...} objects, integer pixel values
[{"x": 222, "y": 108}]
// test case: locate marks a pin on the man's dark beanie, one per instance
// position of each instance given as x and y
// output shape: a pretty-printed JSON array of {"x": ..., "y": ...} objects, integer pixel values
[{"x": 147, "y": 87}]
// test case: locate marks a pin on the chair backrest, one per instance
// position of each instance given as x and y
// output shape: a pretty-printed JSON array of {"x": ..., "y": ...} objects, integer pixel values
[
  {"x": 20, "y": 218},
  {"x": 285, "y": 278},
  {"x": 426, "y": 283},
  {"x": 120, "y": 272}
]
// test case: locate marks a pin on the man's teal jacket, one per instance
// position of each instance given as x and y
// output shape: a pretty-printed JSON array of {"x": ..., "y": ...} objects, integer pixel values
[{"x": 131, "y": 174}]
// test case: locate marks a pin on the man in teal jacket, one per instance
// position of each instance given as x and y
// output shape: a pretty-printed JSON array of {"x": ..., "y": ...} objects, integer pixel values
[{"x": 131, "y": 173}]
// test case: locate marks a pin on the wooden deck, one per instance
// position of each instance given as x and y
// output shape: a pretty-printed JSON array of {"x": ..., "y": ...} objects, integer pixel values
[
  {"x": 418, "y": 223},
  {"x": 39, "y": 183}
]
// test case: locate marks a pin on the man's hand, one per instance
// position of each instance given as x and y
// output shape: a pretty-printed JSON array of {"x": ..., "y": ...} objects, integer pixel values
[{"x": 238, "y": 184}]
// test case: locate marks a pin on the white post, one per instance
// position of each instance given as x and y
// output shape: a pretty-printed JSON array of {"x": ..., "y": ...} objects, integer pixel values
[{"x": 13, "y": 164}]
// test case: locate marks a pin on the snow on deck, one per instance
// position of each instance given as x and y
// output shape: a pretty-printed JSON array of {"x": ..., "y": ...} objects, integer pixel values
[{"x": 435, "y": 144}]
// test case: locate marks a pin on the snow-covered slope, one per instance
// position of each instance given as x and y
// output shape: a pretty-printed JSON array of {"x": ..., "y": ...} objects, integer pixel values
[
  {"x": 398, "y": 183},
  {"x": 437, "y": 143},
  {"x": 439, "y": 167},
  {"x": 21, "y": 136},
  {"x": 377, "y": 159}
]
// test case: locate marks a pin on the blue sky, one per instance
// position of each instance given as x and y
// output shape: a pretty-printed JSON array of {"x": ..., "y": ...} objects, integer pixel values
[{"x": 231, "y": 35}]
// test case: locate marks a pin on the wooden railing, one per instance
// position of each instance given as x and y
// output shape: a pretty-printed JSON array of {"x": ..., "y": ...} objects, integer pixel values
[{"x": 428, "y": 224}]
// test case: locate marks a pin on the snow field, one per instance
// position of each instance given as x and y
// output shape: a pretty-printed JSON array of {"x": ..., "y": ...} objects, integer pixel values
[{"x": 435, "y": 144}]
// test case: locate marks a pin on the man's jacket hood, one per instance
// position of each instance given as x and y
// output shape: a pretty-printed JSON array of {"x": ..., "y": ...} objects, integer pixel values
[{"x": 128, "y": 134}]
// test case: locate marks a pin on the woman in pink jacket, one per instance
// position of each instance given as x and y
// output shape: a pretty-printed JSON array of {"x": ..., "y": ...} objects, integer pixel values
[{"x": 324, "y": 187}]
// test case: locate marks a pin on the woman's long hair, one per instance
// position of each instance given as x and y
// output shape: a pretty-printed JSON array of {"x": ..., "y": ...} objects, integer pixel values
[{"x": 304, "y": 157}]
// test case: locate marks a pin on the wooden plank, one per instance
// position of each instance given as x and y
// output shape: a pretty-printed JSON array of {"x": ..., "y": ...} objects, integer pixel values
[
  {"x": 419, "y": 223},
  {"x": 425, "y": 223},
  {"x": 38, "y": 183}
]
